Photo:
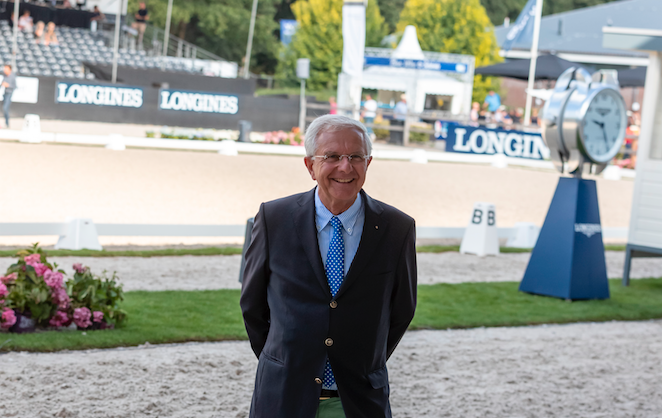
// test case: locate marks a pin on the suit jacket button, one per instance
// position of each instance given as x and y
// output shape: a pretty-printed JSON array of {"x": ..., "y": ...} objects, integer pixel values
[
  {"x": 318, "y": 380},
  {"x": 333, "y": 304},
  {"x": 328, "y": 342}
]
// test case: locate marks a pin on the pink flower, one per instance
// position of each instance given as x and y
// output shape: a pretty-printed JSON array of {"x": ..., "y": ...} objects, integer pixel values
[
  {"x": 7, "y": 319},
  {"x": 8, "y": 278},
  {"x": 82, "y": 317},
  {"x": 41, "y": 269},
  {"x": 3, "y": 290},
  {"x": 60, "y": 319},
  {"x": 32, "y": 258},
  {"x": 97, "y": 316},
  {"x": 60, "y": 298},
  {"x": 79, "y": 268},
  {"x": 54, "y": 279}
]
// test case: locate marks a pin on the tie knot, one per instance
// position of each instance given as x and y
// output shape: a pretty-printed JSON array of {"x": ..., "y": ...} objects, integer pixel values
[{"x": 335, "y": 223}]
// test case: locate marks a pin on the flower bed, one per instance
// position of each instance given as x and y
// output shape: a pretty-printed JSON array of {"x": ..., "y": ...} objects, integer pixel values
[
  {"x": 283, "y": 138},
  {"x": 34, "y": 294}
]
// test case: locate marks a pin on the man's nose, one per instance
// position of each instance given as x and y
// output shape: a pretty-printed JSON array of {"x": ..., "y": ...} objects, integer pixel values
[{"x": 344, "y": 164}]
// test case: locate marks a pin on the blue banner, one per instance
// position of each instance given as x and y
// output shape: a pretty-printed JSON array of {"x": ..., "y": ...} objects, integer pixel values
[
  {"x": 486, "y": 141},
  {"x": 522, "y": 30},
  {"x": 452, "y": 67},
  {"x": 287, "y": 29}
]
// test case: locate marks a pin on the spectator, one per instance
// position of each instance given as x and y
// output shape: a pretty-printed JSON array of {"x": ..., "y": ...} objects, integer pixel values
[
  {"x": 67, "y": 4},
  {"x": 492, "y": 101},
  {"x": 39, "y": 32},
  {"x": 25, "y": 22},
  {"x": 9, "y": 83},
  {"x": 81, "y": 3},
  {"x": 50, "y": 38},
  {"x": 334, "y": 106},
  {"x": 517, "y": 115},
  {"x": 400, "y": 111},
  {"x": 399, "y": 117},
  {"x": 534, "y": 117},
  {"x": 142, "y": 16},
  {"x": 475, "y": 112},
  {"x": 370, "y": 112},
  {"x": 97, "y": 17}
]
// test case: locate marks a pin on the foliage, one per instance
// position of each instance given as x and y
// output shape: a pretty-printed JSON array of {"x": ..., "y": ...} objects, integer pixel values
[
  {"x": 214, "y": 315},
  {"x": 458, "y": 27},
  {"x": 391, "y": 9},
  {"x": 284, "y": 138},
  {"x": 97, "y": 293},
  {"x": 35, "y": 288},
  {"x": 221, "y": 27},
  {"x": 497, "y": 10},
  {"x": 27, "y": 291},
  {"x": 319, "y": 38},
  {"x": 320, "y": 95}
]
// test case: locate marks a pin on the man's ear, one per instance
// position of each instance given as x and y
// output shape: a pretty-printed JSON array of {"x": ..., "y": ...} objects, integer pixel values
[{"x": 308, "y": 161}]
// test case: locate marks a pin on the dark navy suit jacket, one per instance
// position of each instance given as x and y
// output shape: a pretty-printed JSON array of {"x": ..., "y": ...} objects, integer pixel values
[{"x": 289, "y": 312}]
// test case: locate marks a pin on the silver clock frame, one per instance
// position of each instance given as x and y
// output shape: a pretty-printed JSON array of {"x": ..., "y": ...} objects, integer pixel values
[{"x": 562, "y": 119}]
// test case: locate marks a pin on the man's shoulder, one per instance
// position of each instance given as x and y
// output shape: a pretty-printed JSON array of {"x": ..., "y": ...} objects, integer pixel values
[
  {"x": 391, "y": 212},
  {"x": 288, "y": 201}
]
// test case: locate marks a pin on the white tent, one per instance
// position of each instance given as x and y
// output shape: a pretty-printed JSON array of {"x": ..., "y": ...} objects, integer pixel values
[{"x": 410, "y": 70}]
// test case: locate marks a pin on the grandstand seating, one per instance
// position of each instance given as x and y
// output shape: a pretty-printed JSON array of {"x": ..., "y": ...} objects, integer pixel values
[{"x": 74, "y": 47}]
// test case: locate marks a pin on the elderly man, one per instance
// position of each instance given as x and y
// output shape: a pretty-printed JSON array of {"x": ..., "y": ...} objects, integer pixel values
[{"x": 329, "y": 286}]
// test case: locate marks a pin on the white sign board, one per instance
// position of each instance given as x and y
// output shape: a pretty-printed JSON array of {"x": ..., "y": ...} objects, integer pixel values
[
  {"x": 481, "y": 236},
  {"x": 27, "y": 90}
]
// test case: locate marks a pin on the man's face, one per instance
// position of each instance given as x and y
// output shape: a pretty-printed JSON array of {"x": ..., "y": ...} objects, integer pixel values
[
  {"x": 142, "y": 5},
  {"x": 339, "y": 182},
  {"x": 6, "y": 70}
]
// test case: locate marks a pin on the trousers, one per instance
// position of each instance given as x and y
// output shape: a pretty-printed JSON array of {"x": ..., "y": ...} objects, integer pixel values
[{"x": 6, "y": 105}]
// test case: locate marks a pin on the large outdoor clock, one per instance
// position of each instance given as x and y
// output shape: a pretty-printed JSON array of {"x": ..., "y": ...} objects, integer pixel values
[{"x": 584, "y": 120}]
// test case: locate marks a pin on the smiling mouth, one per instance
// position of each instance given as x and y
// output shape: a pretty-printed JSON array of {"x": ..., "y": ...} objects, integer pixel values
[{"x": 343, "y": 181}]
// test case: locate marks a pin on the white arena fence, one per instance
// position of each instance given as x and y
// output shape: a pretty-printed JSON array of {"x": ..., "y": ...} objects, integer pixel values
[
  {"x": 79, "y": 233},
  {"x": 229, "y": 147}
]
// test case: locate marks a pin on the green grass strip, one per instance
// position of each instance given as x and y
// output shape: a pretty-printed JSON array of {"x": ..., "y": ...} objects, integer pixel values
[
  {"x": 177, "y": 316},
  {"x": 237, "y": 250},
  {"x": 136, "y": 253}
]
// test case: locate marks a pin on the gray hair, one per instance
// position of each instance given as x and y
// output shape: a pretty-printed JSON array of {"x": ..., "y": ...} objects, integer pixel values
[{"x": 332, "y": 123}]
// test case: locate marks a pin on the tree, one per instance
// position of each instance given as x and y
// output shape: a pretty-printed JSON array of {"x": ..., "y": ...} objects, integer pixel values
[
  {"x": 319, "y": 38},
  {"x": 391, "y": 9},
  {"x": 221, "y": 27},
  {"x": 458, "y": 27}
]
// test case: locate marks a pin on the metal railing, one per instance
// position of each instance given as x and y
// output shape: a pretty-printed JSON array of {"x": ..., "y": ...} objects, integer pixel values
[{"x": 412, "y": 118}]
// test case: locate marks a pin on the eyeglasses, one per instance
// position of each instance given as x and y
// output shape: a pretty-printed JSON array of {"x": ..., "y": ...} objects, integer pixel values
[{"x": 336, "y": 158}]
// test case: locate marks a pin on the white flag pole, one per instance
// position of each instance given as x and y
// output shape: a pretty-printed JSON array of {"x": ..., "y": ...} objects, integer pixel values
[{"x": 534, "y": 58}]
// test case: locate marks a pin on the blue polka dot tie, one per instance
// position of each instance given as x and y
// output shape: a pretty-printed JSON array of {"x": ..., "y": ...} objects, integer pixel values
[{"x": 335, "y": 273}]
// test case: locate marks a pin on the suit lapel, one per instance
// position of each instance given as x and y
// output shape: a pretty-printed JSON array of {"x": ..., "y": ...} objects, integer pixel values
[
  {"x": 373, "y": 231},
  {"x": 304, "y": 223}
]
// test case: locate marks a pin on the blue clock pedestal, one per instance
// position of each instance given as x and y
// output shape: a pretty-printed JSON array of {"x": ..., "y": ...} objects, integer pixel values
[{"x": 568, "y": 261}]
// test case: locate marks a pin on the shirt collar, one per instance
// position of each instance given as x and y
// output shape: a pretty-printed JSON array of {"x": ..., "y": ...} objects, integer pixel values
[{"x": 347, "y": 218}]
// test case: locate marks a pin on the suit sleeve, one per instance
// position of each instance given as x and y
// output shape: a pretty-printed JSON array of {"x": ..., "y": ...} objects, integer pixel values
[
  {"x": 403, "y": 300},
  {"x": 253, "y": 302}
]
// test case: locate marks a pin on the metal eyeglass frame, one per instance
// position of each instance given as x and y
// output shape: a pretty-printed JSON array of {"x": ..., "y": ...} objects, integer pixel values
[{"x": 340, "y": 157}]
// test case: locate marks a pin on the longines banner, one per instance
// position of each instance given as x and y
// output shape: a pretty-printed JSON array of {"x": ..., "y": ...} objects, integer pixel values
[
  {"x": 193, "y": 101},
  {"x": 99, "y": 95},
  {"x": 482, "y": 140}
]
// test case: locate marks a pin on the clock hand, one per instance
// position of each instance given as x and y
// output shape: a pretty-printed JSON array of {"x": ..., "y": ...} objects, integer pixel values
[
  {"x": 604, "y": 134},
  {"x": 600, "y": 124}
]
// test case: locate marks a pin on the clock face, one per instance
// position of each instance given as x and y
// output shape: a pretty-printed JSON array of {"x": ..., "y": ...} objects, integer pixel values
[{"x": 603, "y": 126}]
